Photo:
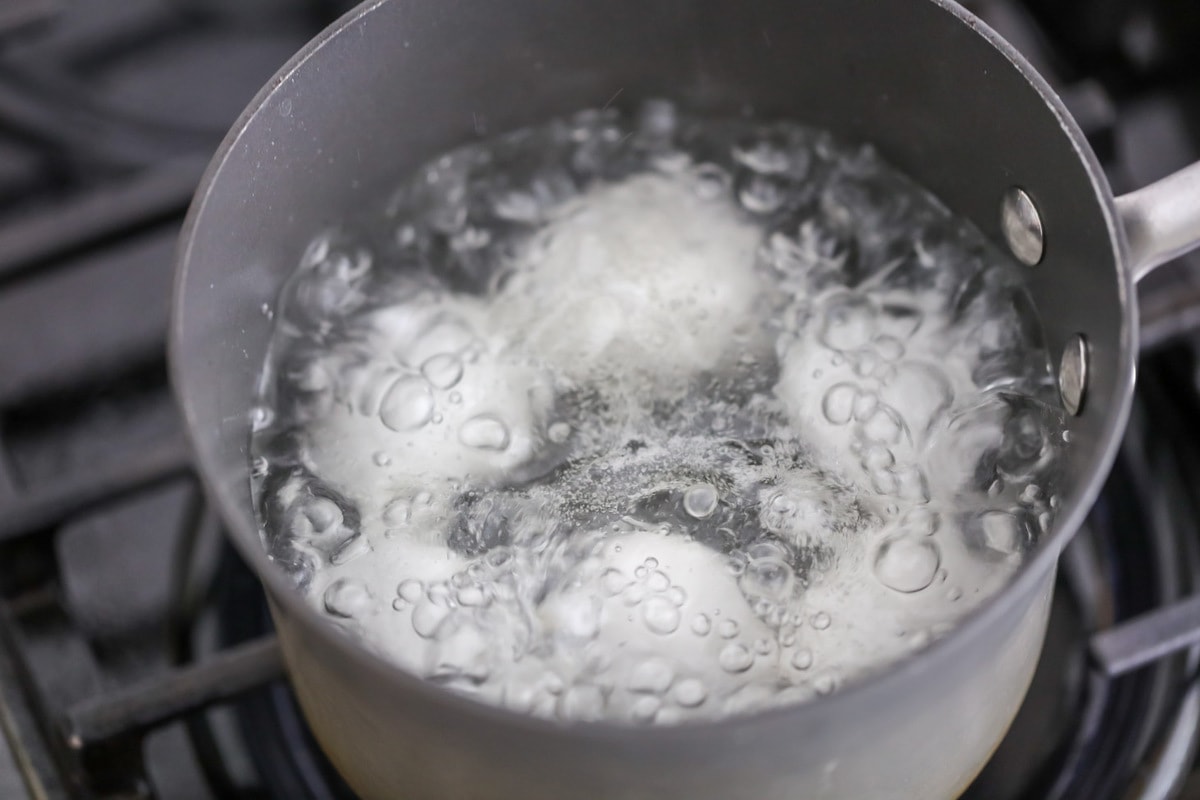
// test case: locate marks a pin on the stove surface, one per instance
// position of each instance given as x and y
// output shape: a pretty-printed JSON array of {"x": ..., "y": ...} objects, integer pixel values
[{"x": 136, "y": 653}]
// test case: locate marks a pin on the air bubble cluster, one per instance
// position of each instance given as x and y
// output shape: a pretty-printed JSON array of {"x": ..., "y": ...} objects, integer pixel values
[{"x": 653, "y": 418}]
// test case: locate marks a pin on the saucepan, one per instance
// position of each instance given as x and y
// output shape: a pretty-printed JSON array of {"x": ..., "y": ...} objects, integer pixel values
[{"x": 939, "y": 94}]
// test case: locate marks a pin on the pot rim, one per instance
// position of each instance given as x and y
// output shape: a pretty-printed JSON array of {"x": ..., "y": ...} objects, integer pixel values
[{"x": 970, "y": 628}]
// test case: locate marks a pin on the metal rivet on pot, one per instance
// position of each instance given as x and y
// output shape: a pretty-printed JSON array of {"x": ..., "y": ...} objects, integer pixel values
[
  {"x": 1022, "y": 226},
  {"x": 1073, "y": 374}
]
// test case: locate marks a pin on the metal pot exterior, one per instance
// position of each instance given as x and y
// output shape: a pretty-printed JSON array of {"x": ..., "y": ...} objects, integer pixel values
[
  {"x": 397, "y": 81},
  {"x": 926, "y": 738}
]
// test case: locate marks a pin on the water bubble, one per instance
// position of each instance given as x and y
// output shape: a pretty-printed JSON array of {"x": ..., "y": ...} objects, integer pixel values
[
  {"x": 838, "y": 405},
  {"x": 397, "y": 512},
  {"x": 802, "y": 659},
  {"x": 885, "y": 425},
  {"x": 446, "y": 335},
  {"x": 824, "y": 684},
  {"x": 498, "y": 557},
  {"x": 700, "y": 500},
  {"x": 762, "y": 156},
  {"x": 633, "y": 594},
  {"x": 354, "y": 547},
  {"x": 889, "y": 348},
  {"x": 427, "y": 618},
  {"x": 761, "y": 195},
  {"x": 311, "y": 378},
  {"x": 711, "y": 181},
  {"x": 454, "y": 398},
  {"x": 259, "y": 466},
  {"x": 407, "y": 406},
  {"x": 780, "y": 503},
  {"x": 867, "y": 364},
  {"x": 645, "y": 709},
  {"x": 671, "y": 162},
  {"x": 440, "y": 594},
  {"x": 381, "y": 458},
  {"x": 690, "y": 692},
  {"x": 768, "y": 578},
  {"x": 558, "y": 432},
  {"x": 411, "y": 590},
  {"x": 727, "y": 628},
  {"x": 821, "y": 620},
  {"x": 443, "y": 371},
  {"x": 470, "y": 238},
  {"x": 660, "y": 615},
  {"x": 582, "y": 702},
  {"x": 677, "y": 595},
  {"x": 997, "y": 532},
  {"x": 323, "y": 514},
  {"x": 472, "y": 596},
  {"x": 484, "y": 432},
  {"x": 735, "y": 658},
  {"x": 347, "y": 599},
  {"x": 954, "y": 594},
  {"x": 911, "y": 484},
  {"x": 657, "y": 581},
  {"x": 768, "y": 549},
  {"x": 849, "y": 323},
  {"x": 701, "y": 625},
  {"x": 261, "y": 417},
  {"x": 906, "y": 564},
  {"x": 865, "y": 404},
  {"x": 573, "y": 614},
  {"x": 652, "y": 675},
  {"x": 877, "y": 457},
  {"x": 613, "y": 582},
  {"x": 518, "y": 206},
  {"x": 658, "y": 119},
  {"x": 921, "y": 521}
]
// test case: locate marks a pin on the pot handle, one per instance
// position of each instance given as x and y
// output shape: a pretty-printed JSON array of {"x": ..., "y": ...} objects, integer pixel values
[{"x": 1162, "y": 220}]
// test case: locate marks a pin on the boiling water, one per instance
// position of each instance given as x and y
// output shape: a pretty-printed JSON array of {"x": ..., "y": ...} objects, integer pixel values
[{"x": 654, "y": 419}]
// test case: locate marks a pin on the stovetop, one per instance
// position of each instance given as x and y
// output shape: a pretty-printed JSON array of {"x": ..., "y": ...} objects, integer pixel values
[{"x": 136, "y": 653}]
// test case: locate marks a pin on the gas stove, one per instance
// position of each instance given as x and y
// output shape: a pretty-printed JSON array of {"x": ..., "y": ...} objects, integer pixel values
[{"x": 136, "y": 653}]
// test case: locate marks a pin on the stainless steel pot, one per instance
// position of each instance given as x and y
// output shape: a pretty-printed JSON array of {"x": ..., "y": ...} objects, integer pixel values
[{"x": 942, "y": 97}]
